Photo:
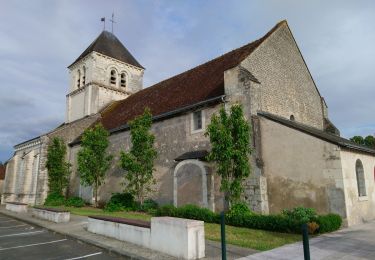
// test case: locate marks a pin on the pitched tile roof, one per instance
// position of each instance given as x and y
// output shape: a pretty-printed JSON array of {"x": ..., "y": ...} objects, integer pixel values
[
  {"x": 201, "y": 83},
  {"x": 108, "y": 44},
  {"x": 326, "y": 136}
]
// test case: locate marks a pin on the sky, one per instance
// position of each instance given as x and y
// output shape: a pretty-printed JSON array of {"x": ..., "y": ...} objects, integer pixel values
[{"x": 40, "y": 38}]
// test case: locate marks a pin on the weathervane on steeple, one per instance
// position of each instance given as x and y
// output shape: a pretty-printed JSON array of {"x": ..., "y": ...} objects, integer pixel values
[
  {"x": 103, "y": 20},
  {"x": 113, "y": 19}
]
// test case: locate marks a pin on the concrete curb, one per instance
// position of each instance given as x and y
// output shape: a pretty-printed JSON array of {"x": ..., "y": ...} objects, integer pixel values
[{"x": 108, "y": 249}]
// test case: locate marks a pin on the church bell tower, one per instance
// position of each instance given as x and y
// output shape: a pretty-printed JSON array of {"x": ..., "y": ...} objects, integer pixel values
[{"x": 104, "y": 72}]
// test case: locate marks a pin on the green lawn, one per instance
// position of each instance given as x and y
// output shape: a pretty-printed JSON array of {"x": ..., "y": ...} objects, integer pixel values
[{"x": 244, "y": 237}]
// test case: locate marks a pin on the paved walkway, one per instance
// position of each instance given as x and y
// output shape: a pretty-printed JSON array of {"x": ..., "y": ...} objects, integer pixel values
[
  {"x": 76, "y": 229},
  {"x": 353, "y": 243}
]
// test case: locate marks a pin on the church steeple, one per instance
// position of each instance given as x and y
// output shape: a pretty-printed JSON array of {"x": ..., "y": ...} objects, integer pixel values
[
  {"x": 108, "y": 44},
  {"x": 106, "y": 71}
]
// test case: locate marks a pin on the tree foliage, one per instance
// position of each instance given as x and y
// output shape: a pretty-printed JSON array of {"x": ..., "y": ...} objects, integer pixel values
[
  {"x": 58, "y": 168},
  {"x": 93, "y": 160},
  {"x": 139, "y": 161},
  {"x": 368, "y": 141},
  {"x": 229, "y": 135}
]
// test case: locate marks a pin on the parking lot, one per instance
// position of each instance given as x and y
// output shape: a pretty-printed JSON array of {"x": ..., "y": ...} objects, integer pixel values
[{"x": 19, "y": 240}]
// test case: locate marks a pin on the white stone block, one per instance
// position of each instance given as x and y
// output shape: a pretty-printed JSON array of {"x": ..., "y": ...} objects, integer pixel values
[
  {"x": 182, "y": 238},
  {"x": 16, "y": 207},
  {"x": 133, "y": 234},
  {"x": 57, "y": 217}
]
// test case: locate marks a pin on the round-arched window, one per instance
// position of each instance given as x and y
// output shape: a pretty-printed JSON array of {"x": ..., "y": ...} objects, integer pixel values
[
  {"x": 360, "y": 178},
  {"x": 79, "y": 79},
  {"x": 292, "y": 117},
  {"x": 112, "y": 79},
  {"x": 84, "y": 76},
  {"x": 123, "y": 80}
]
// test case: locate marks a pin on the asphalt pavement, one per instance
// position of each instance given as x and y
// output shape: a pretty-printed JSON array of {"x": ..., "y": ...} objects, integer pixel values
[{"x": 20, "y": 240}]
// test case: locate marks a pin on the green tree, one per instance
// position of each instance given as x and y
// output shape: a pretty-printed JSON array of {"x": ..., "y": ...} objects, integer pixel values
[
  {"x": 229, "y": 135},
  {"x": 358, "y": 140},
  {"x": 370, "y": 141},
  {"x": 58, "y": 168},
  {"x": 139, "y": 161},
  {"x": 93, "y": 160}
]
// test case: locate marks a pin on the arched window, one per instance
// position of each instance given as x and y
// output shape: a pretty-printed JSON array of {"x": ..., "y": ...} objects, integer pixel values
[
  {"x": 292, "y": 117},
  {"x": 84, "y": 76},
  {"x": 360, "y": 178},
  {"x": 112, "y": 79},
  {"x": 79, "y": 79},
  {"x": 123, "y": 80}
]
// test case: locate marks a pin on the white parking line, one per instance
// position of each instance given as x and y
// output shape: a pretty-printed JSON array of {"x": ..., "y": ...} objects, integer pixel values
[
  {"x": 24, "y": 233},
  {"x": 15, "y": 247},
  {"x": 80, "y": 257},
  {"x": 15, "y": 226}
]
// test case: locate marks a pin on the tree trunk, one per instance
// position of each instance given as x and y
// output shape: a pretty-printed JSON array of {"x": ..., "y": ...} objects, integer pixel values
[
  {"x": 96, "y": 194},
  {"x": 226, "y": 201}
]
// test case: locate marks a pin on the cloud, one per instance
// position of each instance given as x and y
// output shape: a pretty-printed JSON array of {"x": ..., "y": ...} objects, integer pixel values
[{"x": 39, "y": 39}]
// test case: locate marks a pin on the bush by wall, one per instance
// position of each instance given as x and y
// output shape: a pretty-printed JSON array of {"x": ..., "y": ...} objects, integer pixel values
[
  {"x": 75, "y": 202},
  {"x": 329, "y": 222},
  {"x": 54, "y": 199},
  {"x": 240, "y": 216},
  {"x": 120, "y": 201}
]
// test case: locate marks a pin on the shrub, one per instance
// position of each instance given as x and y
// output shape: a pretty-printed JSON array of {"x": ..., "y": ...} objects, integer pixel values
[
  {"x": 329, "y": 222},
  {"x": 237, "y": 214},
  {"x": 300, "y": 214},
  {"x": 121, "y": 201},
  {"x": 166, "y": 210},
  {"x": 75, "y": 202},
  {"x": 290, "y": 221},
  {"x": 194, "y": 212},
  {"x": 113, "y": 206},
  {"x": 149, "y": 205},
  {"x": 54, "y": 199},
  {"x": 278, "y": 223}
]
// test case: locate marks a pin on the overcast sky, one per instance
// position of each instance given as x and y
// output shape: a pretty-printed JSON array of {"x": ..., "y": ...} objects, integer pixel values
[{"x": 39, "y": 39}]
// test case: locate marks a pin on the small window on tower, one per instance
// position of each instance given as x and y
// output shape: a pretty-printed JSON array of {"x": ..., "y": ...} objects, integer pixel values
[
  {"x": 112, "y": 80},
  {"x": 79, "y": 79},
  {"x": 84, "y": 76},
  {"x": 197, "y": 121},
  {"x": 123, "y": 80}
]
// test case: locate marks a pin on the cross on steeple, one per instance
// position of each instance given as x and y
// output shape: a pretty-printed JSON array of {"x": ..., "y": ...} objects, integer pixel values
[{"x": 112, "y": 20}]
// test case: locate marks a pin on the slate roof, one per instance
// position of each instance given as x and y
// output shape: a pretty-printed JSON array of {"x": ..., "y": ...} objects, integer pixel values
[
  {"x": 329, "y": 137},
  {"x": 196, "y": 85},
  {"x": 108, "y": 44}
]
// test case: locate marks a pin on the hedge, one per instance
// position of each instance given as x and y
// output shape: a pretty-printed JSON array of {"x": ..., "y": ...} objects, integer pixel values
[{"x": 240, "y": 217}]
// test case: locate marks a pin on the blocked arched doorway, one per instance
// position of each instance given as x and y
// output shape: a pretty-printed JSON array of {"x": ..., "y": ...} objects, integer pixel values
[{"x": 190, "y": 183}]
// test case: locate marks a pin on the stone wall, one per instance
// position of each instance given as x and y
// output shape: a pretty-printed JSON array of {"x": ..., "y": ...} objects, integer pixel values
[
  {"x": 67, "y": 133},
  {"x": 286, "y": 86},
  {"x": 301, "y": 170},
  {"x": 97, "y": 92},
  {"x": 21, "y": 174},
  {"x": 359, "y": 209},
  {"x": 173, "y": 138}
]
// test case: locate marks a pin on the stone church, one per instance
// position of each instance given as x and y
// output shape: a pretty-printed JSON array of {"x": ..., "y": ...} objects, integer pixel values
[{"x": 298, "y": 155}]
